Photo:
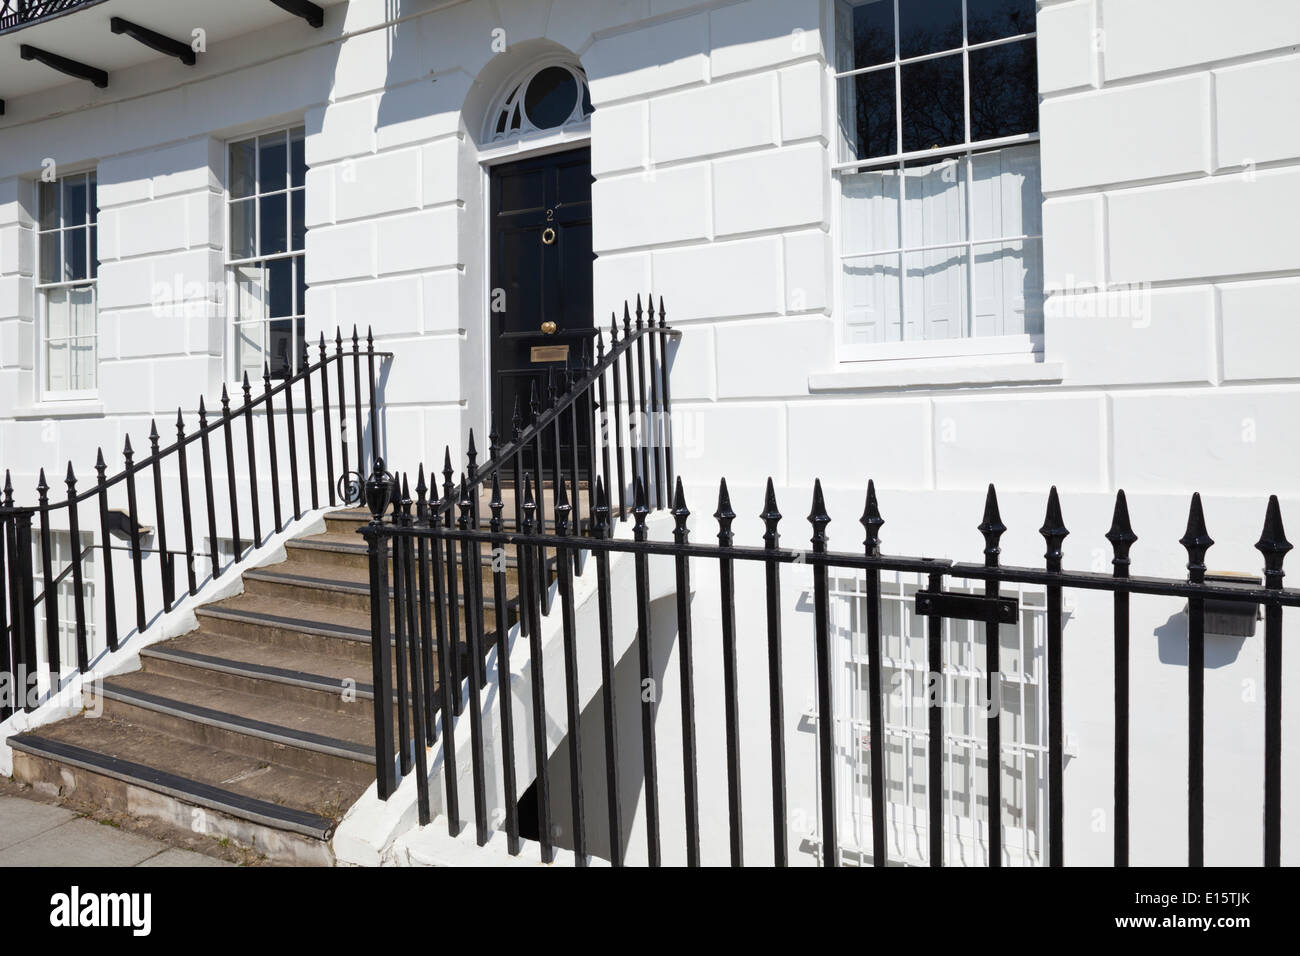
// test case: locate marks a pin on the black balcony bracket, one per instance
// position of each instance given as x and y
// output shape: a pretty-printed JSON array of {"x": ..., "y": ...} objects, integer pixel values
[
  {"x": 2, "y": 107},
  {"x": 154, "y": 40},
  {"x": 61, "y": 63},
  {"x": 303, "y": 8},
  {"x": 967, "y": 607}
]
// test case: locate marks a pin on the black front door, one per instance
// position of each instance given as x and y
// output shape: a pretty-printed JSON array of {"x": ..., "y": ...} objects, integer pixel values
[{"x": 540, "y": 304}]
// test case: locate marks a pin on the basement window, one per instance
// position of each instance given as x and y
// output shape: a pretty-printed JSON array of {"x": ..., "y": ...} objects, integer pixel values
[
  {"x": 266, "y": 222},
  {"x": 940, "y": 201}
]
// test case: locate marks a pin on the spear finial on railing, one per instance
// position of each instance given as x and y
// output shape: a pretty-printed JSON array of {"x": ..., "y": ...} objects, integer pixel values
[
  {"x": 818, "y": 518},
  {"x": 421, "y": 497},
  {"x": 724, "y": 515},
  {"x": 203, "y": 412},
  {"x": 1196, "y": 539},
  {"x": 680, "y": 513},
  {"x": 639, "y": 511},
  {"x": 871, "y": 521},
  {"x": 600, "y": 513},
  {"x": 370, "y": 340},
  {"x": 494, "y": 442},
  {"x": 9, "y": 489},
  {"x": 771, "y": 517},
  {"x": 530, "y": 505},
  {"x": 71, "y": 482},
  {"x": 100, "y": 467},
  {"x": 471, "y": 456},
  {"x": 465, "y": 504},
  {"x": 613, "y": 329},
  {"x": 248, "y": 388},
  {"x": 128, "y": 453},
  {"x": 322, "y": 347},
  {"x": 1121, "y": 536},
  {"x": 562, "y": 509},
  {"x": 1054, "y": 531},
  {"x": 663, "y": 315},
  {"x": 405, "y": 500},
  {"x": 534, "y": 408},
  {"x": 496, "y": 505},
  {"x": 180, "y": 425},
  {"x": 42, "y": 490},
  {"x": 516, "y": 423},
  {"x": 627, "y": 321},
  {"x": 1273, "y": 544},
  {"x": 639, "y": 313},
  {"x": 991, "y": 527},
  {"x": 225, "y": 401},
  {"x": 356, "y": 341},
  {"x": 448, "y": 487},
  {"x": 600, "y": 346},
  {"x": 153, "y": 437}
]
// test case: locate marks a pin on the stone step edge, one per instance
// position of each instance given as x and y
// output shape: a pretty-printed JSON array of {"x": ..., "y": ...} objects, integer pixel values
[
  {"x": 285, "y": 736},
  {"x": 276, "y": 675},
  {"x": 180, "y": 788}
]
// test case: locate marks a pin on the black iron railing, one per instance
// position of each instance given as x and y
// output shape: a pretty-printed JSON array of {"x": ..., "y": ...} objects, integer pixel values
[
  {"x": 422, "y": 620},
  {"x": 254, "y": 424},
  {"x": 20, "y": 13},
  {"x": 612, "y": 418}
]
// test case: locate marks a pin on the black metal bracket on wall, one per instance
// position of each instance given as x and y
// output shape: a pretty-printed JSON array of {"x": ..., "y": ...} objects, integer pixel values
[
  {"x": 154, "y": 40},
  {"x": 64, "y": 65},
  {"x": 968, "y": 607}
]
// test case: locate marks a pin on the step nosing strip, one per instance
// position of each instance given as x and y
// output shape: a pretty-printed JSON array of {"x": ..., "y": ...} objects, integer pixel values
[
  {"x": 280, "y": 675},
  {"x": 304, "y": 740},
  {"x": 291, "y": 623},
  {"x": 181, "y": 788}
]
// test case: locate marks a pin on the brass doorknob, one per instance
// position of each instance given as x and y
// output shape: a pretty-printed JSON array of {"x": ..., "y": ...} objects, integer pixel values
[{"x": 548, "y": 328}]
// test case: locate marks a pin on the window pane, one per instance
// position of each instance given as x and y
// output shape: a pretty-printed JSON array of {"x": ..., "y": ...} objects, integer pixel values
[
  {"x": 56, "y": 314},
  {"x": 298, "y": 219},
  {"x": 243, "y": 225},
  {"x": 551, "y": 97},
  {"x": 1009, "y": 288},
  {"x": 300, "y": 287},
  {"x": 297, "y": 157},
  {"x": 250, "y": 353},
  {"x": 93, "y": 201},
  {"x": 274, "y": 158},
  {"x": 56, "y": 366},
  {"x": 933, "y": 104},
  {"x": 81, "y": 311},
  {"x": 74, "y": 254},
  {"x": 280, "y": 346},
  {"x": 995, "y": 19},
  {"x": 1003, "y": 90},
  {"x": 873, "y": 33},
  {"x": 936, "y": 294},
  {"x": 50, "y": 205},
  {"x": 871, "y": 290},
  {"x": 82, "y": 356},
  {"x": 935, "y": 210},
  {"x": 869, "y": 206},
  {"x": 928, "y": 26},
  {"x": 243, "y": 168},
  {"x": 274, "y": 225},
  {"x": 94, "y": 251},
  {"x": 250, "y": 301},
  {"x": 74, "y": 201},
  {"x": 51, "y": 256},
  {"x": 279, "y": 287},
  {"x": 1007, "y": 195},
  {"x": 867, "y": 119}
]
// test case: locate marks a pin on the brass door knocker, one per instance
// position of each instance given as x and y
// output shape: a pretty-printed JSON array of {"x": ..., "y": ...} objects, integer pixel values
[{"x": 548, "y": 236}]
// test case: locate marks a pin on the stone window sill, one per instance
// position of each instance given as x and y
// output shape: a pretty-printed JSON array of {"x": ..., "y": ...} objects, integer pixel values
[{"x": 919, "y": 378}]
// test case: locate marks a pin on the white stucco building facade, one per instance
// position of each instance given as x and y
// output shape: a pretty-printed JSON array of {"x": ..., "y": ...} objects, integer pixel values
[{"x": 1058, "y": 246}]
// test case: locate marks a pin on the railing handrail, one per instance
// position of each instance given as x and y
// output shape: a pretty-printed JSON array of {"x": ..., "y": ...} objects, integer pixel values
[
  {"x": 215, "y": 422},
  {"x": 578, "y": 389}
]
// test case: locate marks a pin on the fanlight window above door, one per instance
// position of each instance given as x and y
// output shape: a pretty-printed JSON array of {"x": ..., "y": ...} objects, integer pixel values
[{"x": 551, "y": 96}]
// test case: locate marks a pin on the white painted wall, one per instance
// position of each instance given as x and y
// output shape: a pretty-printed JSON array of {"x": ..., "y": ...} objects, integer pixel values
[{"x": 1169, "y": 166}]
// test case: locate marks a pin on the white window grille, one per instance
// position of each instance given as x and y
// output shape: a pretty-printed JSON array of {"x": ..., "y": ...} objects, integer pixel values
[
  {"x": 940, "y": 194},
  {"x": 266, "y": 188},
  {"x": 905, "y": 684},
  {"x": 67, "y": 270}
]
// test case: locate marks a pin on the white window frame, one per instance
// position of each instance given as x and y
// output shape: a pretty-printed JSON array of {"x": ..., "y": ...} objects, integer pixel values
[
  {"x": 230, "y": 264},
  {"x": 512, "y": 94},
  {"x": 1025, "y": 346},
  {"x": 42, "y": 289}
]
